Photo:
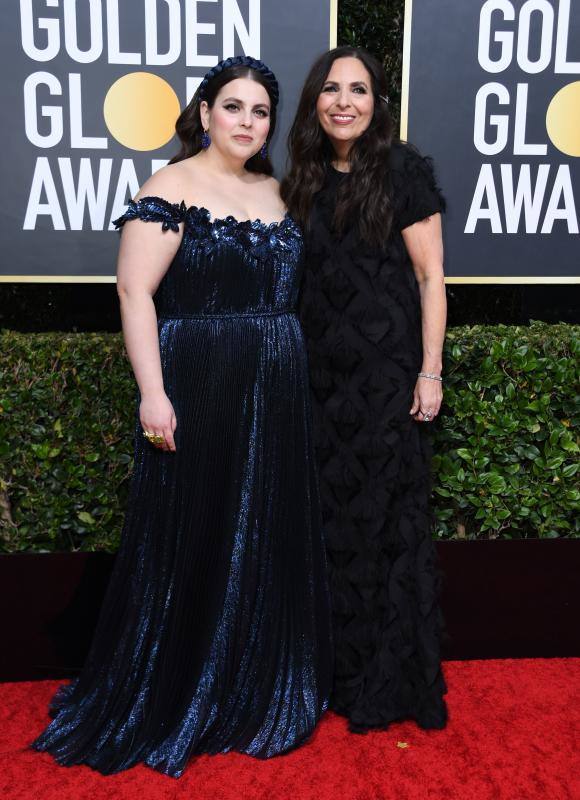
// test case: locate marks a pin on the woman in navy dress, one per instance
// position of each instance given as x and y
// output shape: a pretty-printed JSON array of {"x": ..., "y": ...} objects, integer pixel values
[
  {"x": 373, "y": 310},
  {"x": 214, "y": 633}
]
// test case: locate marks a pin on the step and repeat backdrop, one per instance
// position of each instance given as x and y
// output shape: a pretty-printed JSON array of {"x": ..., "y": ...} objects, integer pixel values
[
  {"x": 492, "y": 92},
  {"x": 90, "y": 93},
  {"x": 92, "y": 89}
]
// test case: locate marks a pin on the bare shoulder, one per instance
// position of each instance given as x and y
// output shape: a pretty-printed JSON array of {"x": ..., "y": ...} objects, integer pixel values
[
  {"x": 267, "y": 182},
  {"x": 270, "y": 190},
  {"x": 169, "y": 183},
  {"x": 270, "y": 180},
  {"x": 268, "y": 187}
]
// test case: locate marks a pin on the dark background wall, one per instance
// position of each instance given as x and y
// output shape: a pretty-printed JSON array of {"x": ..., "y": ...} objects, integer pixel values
[
  {"x": 377, "y": 26},
  {"x": 94, "y": 307}
]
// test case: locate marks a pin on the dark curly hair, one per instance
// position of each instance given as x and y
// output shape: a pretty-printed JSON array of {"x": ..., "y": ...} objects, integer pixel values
[
  {"x": 189, "y": 128},
  {"x": 365, "y": 194}
]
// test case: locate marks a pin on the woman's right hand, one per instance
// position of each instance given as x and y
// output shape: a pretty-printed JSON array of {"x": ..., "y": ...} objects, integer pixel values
[{"x": 157, "y": 416}]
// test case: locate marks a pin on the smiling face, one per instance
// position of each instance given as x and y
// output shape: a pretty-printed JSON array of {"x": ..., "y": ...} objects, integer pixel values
[
  {"x": 239, "y": 120},
  {"x": 345, "y": 105}
]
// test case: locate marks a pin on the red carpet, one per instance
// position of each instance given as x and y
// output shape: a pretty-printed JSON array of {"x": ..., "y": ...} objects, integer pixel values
[{"x": 513, "y": 734}]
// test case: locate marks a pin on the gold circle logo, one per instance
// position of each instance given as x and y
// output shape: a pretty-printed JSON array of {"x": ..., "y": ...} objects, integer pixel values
[
  {"x": 140, "y": 110},
  {"x": 563, "y": 119}
]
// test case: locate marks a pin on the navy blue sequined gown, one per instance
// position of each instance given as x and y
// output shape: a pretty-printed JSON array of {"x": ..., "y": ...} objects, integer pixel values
[{"x": 215, "y": 629}]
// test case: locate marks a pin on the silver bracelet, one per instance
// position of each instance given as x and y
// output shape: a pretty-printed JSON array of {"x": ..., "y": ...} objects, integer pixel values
[{"x": 430, "y": 375}]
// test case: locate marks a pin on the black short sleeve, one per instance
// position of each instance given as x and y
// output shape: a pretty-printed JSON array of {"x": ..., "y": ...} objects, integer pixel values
[{"x": 416, "y": 194}]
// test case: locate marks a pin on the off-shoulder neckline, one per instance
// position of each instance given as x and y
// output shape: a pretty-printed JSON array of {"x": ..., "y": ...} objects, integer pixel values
[{"x": 211, "y": 220}]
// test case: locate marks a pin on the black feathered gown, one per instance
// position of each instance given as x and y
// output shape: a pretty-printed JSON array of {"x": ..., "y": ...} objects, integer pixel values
[
  {"x": 361, "y": 315},
  {"x": 215, "y": 629}
]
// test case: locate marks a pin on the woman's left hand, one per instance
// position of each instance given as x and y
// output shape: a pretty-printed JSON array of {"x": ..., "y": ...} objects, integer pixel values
[{"x": 427, "y": 398}]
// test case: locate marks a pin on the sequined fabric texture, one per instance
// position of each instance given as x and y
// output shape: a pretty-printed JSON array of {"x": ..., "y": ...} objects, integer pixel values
[{"x": 215, "y": 630}]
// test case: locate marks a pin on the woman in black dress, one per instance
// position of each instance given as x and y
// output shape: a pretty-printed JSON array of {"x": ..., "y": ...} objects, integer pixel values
[
  {"x": 373, "y": 311},
  {"x": 215, "y": 630}
]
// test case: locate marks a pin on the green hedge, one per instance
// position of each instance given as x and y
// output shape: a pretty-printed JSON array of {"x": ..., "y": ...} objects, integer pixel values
[
  {"x": 507, "y": 449},
  {"x": 66, "y": 421},
  {"x": 378, "y": 27},
  {"x": 505, "y": 454}
]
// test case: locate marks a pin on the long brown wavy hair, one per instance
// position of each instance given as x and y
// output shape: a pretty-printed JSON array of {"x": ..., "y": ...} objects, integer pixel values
[
  {"x": 189, "y": 128},
  {"x": 364, "y": 195}
]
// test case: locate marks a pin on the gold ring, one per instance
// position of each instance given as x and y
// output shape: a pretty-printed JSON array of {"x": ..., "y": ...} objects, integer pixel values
[{"x": 153, "y": 438}]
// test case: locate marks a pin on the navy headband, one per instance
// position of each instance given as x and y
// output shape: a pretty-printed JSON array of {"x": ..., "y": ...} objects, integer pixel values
[{"x": 241, "y": 61}]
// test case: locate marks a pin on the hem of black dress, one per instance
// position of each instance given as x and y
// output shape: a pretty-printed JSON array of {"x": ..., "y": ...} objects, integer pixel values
[{"x": 394, "y": 718}]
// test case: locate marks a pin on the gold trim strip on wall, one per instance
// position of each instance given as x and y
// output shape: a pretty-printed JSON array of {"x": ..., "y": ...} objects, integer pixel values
[
  {"x": 514, "y": 279},
  {"x": 333, "y": 38},
  {"x": 404, "y": 124},
  {"x": 489, "y": 279},
  {"x": 58, "y": 279}
]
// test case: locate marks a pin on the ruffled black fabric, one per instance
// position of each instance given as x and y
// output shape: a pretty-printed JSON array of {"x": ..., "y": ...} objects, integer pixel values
[
  {"x": 361, "y": 315},
  {"x": 416, "y": 193}
]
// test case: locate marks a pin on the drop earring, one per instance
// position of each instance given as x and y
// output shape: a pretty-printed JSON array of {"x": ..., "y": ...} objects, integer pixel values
[
  {"x": 264, "y": 150},
  {"x": 205, "y": 140}
]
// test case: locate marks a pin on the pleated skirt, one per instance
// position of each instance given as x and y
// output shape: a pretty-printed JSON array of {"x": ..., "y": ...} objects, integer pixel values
[{"x": 215, "y": 629}]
